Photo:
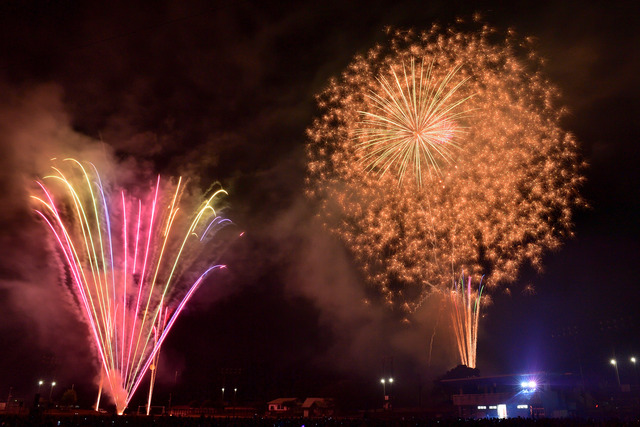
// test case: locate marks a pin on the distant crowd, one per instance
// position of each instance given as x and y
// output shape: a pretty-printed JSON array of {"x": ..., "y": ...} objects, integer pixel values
[{"x": 162, "y": 421}]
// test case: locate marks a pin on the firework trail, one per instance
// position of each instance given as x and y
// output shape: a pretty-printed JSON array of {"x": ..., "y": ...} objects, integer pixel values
[
  {"x": 439, "y": 152},
  {"x": 131, "y": 262},
  {"x": 465, "y": 315}
]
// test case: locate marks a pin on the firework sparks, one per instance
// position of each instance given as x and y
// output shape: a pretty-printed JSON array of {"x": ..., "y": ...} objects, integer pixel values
[
  {"x": 413, "y": 120},
  {"x": 131, "y": 263},
  {"x": 507, "y": 196},
  {"x": 465, "y": 315}
]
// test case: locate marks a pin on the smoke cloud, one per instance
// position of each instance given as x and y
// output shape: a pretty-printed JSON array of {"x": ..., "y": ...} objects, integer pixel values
[{"x": 39, "y": 318}]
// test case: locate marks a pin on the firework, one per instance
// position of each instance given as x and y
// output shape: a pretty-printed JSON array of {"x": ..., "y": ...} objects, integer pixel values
[
  {"x": 412, "y": 120},
  {"x": 498, "y": 189},
  {"x": 465, "y": 315},
  {"x": 133, "y": 263}
]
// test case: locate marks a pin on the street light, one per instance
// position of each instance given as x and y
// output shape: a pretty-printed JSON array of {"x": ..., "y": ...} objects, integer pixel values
[
  {"x": 635, "y": 367},
  {"x": 53, "y": 383},
  {"x": 222, "y": 397},
  {"x": 37, "y": 401},
  {"x": 615, "y": 365},
  {"x": 235, "y": 391},
  {"x": 384, "y": 382}
]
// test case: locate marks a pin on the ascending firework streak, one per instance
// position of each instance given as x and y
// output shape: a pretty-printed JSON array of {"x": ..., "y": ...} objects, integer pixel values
[
  {"x": 465, "y": 314},
  {"x": 130, "y": 261}
]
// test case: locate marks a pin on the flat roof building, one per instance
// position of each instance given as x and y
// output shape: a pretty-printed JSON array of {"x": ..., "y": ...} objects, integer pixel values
[{"x": 533, "y": 395}]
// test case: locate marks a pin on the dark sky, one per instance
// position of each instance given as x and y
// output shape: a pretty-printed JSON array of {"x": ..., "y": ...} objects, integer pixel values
[{"x": 224, "y": 91}]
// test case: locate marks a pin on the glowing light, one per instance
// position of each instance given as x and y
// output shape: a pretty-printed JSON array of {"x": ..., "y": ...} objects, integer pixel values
[
  {"x": 528, "y": 386},
  {"x": 613, "y": 361},
  {"x": 132, "y": 263},
  {"x": 506, "y": 196},
  {"x": 502, "y": 411}
]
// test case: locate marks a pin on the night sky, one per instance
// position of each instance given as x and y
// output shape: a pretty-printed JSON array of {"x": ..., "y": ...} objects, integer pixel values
[{"x": 225, "y": 91}]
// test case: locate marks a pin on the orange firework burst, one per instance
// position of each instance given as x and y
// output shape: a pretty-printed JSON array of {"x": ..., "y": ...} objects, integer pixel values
[{"x": 507, "y": 174}]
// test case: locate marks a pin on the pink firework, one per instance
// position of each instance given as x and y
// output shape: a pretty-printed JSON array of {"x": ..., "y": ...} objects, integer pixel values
[{"x": 133, "y": 263}]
